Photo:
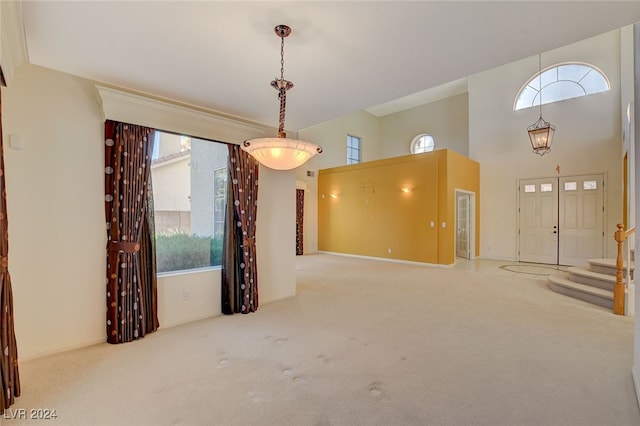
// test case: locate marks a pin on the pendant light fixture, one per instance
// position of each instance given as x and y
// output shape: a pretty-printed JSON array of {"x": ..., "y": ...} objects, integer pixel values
[
  {"x": 281, "y": 153},
  {"x": 541, "y": 132}
]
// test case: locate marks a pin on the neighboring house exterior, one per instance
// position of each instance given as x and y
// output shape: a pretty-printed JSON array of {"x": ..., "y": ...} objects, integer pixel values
[
  {"x": 170, "y": 171},
  {"x": 184, "y": 170},
  {"x": 208, "y": 176}
]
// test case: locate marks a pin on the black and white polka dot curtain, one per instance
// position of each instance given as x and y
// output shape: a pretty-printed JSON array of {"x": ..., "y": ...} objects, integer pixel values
[
  {"x": 131, "y": 279},
  {"x": 239, "y": 265}
]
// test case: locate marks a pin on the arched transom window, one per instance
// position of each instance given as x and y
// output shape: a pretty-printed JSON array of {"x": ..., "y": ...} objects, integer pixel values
[
  {"x": 560, "y": 82},
  {"x": 422, "y": 143}
]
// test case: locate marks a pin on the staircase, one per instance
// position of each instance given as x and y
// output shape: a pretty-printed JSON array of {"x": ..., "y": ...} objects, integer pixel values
[{"x": 592, "y": 283}]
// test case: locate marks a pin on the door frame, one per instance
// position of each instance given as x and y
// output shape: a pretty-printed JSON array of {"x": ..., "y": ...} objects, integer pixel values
[
  {"x": 472, "y": 222},
  {"x": 559, "y": 176}
]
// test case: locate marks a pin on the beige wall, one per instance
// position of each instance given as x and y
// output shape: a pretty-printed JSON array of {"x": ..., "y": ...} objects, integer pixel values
[
  {"x": 587, "y": 139},
  {"x": 55, "y": 200},
  {"x": 55, "y": 190},
  {"x": 332, "y": 136},
  {"x": 447, "y": 120}
]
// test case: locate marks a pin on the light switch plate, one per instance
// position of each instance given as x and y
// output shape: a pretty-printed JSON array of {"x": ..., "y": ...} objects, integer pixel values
[{"x": 15, "y": 142}]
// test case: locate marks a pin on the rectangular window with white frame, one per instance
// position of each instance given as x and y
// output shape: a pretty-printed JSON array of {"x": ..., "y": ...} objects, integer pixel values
[
  {"x": 353, "y": 149},
  {"x": 189, "y": 178}
]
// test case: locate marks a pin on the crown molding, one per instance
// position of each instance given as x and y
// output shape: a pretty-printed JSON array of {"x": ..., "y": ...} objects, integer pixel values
[
  {"x": 13, "y": 44},
  {"x": 171, "y": 116}
]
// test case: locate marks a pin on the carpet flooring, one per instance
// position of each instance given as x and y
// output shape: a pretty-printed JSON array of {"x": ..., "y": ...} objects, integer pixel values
[{"x": 364, "y": 342}]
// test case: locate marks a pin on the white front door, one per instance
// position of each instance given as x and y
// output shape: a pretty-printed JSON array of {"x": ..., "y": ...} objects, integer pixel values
[
  {"x": 561, "y": 219},
  {"x": 463, "y": 246},
  {"x": 538, "y": 220},
  {"x": 581, "y": 219}
]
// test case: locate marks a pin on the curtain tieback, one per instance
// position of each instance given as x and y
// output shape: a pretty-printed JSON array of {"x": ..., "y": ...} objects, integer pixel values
[
  {"x": 123, "y": 246},
  {"x": 249, "y": 242},
  {"x": 4, "y": 264}
]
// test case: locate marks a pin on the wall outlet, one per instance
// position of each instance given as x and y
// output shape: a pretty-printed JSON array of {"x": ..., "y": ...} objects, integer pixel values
[
  {"x": 389, "y": 250},
  {"x": 186, "y": 295}
]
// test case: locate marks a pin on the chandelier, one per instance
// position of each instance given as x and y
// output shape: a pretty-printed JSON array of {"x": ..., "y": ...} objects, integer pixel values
[
  {"x": 281, "y": 153},
  {"x": 541, "y": 132}
]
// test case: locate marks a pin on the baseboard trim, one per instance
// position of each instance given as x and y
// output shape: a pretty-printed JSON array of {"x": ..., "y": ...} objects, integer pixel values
[
  {"x": 386, "y": 259},
  {"x": 277, "y": 299},
  {"x": 189, "y": 320},
  {"x": 60, "y": 349},
  {"x": 502, "y": 259},
  {"x": 636, "y": 382}
]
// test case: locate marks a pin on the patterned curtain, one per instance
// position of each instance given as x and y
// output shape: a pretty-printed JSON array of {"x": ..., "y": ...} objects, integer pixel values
[
  {"x": 131, "y": 276},
  {"x": 9, "y": 375},
  {"x": 299, "y": 221},
  {"x": 239, "y": 265}
]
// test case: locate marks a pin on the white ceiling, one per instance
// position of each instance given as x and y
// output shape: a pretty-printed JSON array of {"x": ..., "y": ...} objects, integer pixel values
[{"x": 342, "y": 56}]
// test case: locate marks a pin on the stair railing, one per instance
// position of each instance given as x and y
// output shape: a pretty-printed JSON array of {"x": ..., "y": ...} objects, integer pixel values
[{"x": 618, "y": 288}]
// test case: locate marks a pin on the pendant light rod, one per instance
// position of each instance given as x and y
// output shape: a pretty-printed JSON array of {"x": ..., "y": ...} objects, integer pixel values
[
  {"x": 540, "y": 81},
  {"x": 541, "y": 132},
  {"x": 281, "y": 153},
  {"x": 282, "y": 85}
]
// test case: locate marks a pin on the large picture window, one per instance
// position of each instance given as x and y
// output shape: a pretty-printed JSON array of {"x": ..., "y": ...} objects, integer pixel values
[{"x": 189, "y": 190}]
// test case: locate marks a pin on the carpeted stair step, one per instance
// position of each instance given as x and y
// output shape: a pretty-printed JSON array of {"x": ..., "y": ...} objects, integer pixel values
[
  {"x": 582, "y": 275},
  {"x": 561, "y": 284},
  {"x": 607, "y": 266}
]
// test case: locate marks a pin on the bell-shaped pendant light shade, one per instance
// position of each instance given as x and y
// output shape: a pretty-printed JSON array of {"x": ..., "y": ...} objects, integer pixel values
[{"x": 281, "y": 153}]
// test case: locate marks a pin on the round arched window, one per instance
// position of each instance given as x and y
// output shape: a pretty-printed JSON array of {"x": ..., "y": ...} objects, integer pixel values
[{"x": 422, "y": 143}]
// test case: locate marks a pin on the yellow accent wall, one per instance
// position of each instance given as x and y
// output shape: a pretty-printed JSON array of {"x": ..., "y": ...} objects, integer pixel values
[{"x": 385, "y": 208}]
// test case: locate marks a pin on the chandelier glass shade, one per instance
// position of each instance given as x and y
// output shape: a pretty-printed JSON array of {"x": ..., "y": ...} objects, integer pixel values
[{"x": 281, "y": 153}]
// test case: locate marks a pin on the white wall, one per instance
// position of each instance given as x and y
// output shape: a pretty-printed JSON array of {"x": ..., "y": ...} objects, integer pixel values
[
  {"x": 187, "y": 297},
  {"x": 447, "y": 120},
  {"x": 55, "y": 190},
  {"x": 636, "y": 119},
  {"x": 276, "y": 234},
  {"x": 587, "y": 139}
]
